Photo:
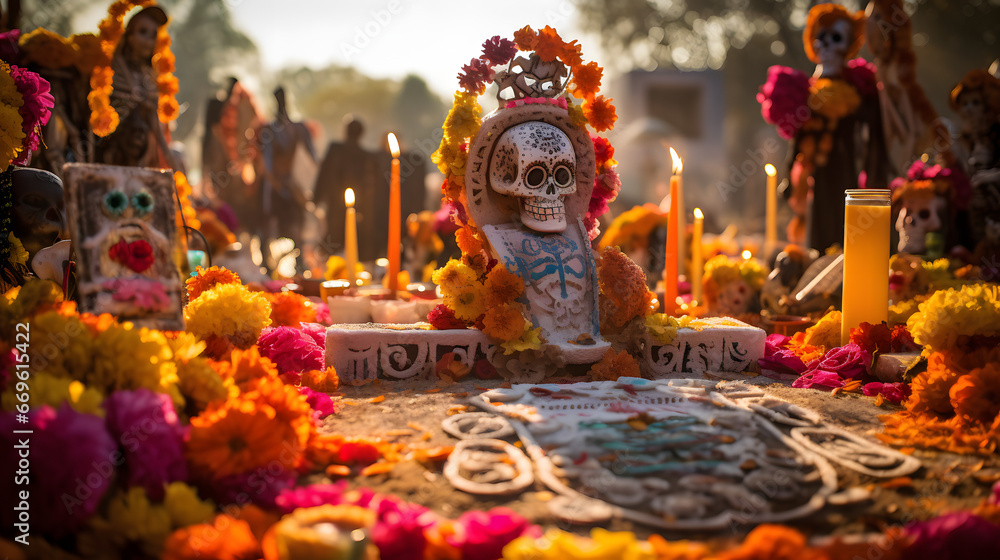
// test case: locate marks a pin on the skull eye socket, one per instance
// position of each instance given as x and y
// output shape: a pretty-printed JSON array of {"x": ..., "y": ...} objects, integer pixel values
[
  {"x": 535, "y": 176},
  {"x": 115, "y": 203},
  {"x": 142, "y": 202},
  {"x": 835, "y": 37},
  {"x": 924, "y": 214},
  {"x": 563, "y": 177}
]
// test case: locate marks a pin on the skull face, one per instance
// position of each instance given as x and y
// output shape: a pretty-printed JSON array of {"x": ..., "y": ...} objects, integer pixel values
[
  {"x": 831, "y": 44},
  {"x": 921, "y": 214},
  {"x": 535, "y": 162}
]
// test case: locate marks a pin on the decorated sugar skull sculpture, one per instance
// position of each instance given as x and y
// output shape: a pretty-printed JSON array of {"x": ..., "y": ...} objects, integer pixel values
[
  {"x": 535, "y": 162},
  {"x": 833, "y": 36},
  {"x": 923, "y": 218}
]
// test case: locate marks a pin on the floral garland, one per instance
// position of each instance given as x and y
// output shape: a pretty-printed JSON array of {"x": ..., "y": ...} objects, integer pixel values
[{"x": 103, "y": 117}]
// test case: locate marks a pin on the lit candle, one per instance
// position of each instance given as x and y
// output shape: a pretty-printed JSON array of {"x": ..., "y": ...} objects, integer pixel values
[
  {"x": 350, "y": 236},
  {"x": 670, "y": 270},
  {"x": 747, "y": 255},
  {"x": 771, "y": 231},
  {"x": 681, "y": 216},
  {"x": 697, "y": 261},
  {"x": 866, "y": 259},
  {"x": 394, "y": 219}
]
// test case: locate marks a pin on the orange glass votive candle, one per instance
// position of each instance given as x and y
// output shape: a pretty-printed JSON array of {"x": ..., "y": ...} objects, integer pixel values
[{"x": 866, "y": 259}]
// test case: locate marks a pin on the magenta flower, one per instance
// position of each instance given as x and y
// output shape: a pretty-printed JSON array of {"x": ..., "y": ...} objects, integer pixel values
[
  {"x": 290, "y": 499},
  {"x": 783, "y": 100},
  {"x": 317, "y": 332},
  {"x": 292, "y": 350},
  {"x": 399, "y": 529},
  {"x": 10, "y": 50},
  {"x": 818, "y": 379},
  {"x": 483, "y": 534},
  {"x": 861, "y": 74},
  {"x": 848, "y": 361},
  {"x": 779, "y": 361},
  {"x": 321, "y": 403},
  {"x": 497, "y": 51},
  {"x": 70, "y": 465},
  {"x": 892, "y": 392},
  {"x": 261, "y": 486},
  {"x": 953, "y": 536},
  {"x": 147, "y": 428},
  {"x": 35, "y": 111}
]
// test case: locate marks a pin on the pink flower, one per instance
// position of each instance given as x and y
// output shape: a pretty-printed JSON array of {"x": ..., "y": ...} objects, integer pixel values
[
  {"x": 892, "y": 392},
  {"x": 291, "y": 350},
  {"x": 321, "y": 403},
  {"x": 818, "y": 379},
  {"x": 848, "y": 361},
  {"x": 146, "y": 426},
  {"x": 779, "y": 361},
  {"x": 262, "y": 486},
  {"x": 861, "y": 74},
  {"x": 322, "y": 312},
  {"x": 497, "y": 51},
  {"x": 35, "y": 111},
  {"x": 399, "y": 529},
  {"x": 483, "y": 534},
  {"x": 290, "y": 499},
  {"x": 317, "y": 332},
  {"x": 141, "y": 292},
  {"x": 70, "y": 466},
  {"x": 10, "y": 51},
  {"x": 783, "y": 100},
  {"x": 953, "y": 536}
]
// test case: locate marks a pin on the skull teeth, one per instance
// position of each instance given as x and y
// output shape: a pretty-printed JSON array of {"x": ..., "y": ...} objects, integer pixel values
[{"x": 543, "y": 211}]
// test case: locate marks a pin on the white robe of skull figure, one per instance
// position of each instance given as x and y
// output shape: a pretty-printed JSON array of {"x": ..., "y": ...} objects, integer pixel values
[{"x": 528, "y": 181}]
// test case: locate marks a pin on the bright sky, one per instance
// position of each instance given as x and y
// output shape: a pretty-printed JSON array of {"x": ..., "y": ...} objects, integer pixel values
[{"x": 392, "y": 38}]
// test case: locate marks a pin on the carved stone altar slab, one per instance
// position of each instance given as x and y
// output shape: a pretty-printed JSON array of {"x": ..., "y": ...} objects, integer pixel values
[
  {"x": 361, "y": 352},
  {"x": 727, "y": 345}
]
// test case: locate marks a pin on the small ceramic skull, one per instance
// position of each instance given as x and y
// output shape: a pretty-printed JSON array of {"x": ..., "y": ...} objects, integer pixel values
[
  {"x": 922, "y": 213},
  {"x": 535, "y": 162},
  {"x": 831, "y": 44}
]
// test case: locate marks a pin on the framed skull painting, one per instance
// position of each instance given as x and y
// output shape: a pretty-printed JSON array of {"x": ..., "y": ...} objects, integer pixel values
[{"x": 125, "y": 241}]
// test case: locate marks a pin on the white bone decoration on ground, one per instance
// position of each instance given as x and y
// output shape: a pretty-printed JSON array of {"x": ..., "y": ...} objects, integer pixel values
[{"x": 674, "y": 454}]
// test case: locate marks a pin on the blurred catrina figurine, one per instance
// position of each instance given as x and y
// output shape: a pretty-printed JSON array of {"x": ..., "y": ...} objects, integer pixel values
[{"x": 834, "y": 123}]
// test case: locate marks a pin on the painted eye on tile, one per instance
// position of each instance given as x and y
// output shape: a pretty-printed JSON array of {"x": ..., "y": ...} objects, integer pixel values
[
  {"x": 115, "y": 203},
  {"x": 143, "y": 203}
]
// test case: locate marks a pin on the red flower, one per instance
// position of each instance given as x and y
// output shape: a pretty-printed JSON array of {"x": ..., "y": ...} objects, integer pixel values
[
  {"x": 902, "y": 340},
  {"x": 474, "y": 76},
  {"x": 603, "y": 150},
  {"x": 359, "y": 452},
  {"x": 873, "y": 338},
  {"x": 137, "y": 255},
  {"x": 600, "y": 113},
  {"x": 861, "y": 74},
  {"x": 442, "y": 319},
  {"x": 783, "y": 100},
  {"x": 893, "y": 392},
  {"x": 35, "y": 111},
  {"x": 498, "y": 51}
]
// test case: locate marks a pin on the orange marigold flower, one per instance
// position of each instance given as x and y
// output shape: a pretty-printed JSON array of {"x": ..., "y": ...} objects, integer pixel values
[
  {"x": 502, "y": 286},
  {"x": 976, "y": 396},
  {"x": 549, "y": 44},
  {"x": 931, "y": 388},
  {"x": 614, "y": 365},
  {"x": 773, "y": 542},
  {"x": 624, "y": 295},
  {"x": 244, "y": 366},
  {"x": 600, "y": 113},
  {"x": 168, "y": 109},
  {"x": 322, "y": 380},
  {"x": 226, "y": 538},
  {"x": 468, "y": 241},
  {"x": 207, "y": 278},
  {"x": 571, "y": 54},
  {"x": 288, "y": 404},
  {"x": 587, "y": 80},
  {"x": 526, "y": 38},
  {"x": 289, "y": 309},
  {"x": 504, "y": 322},
  {"x": 237, "y": 436}
]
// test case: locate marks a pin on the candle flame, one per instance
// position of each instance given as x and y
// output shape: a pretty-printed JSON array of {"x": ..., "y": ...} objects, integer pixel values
[
  {"x": 393, "y": 145},
  {"x": 676, "y": 162},
  {"x": 747, "y": 254},
  {"x": 770, "y": 170},
  {"x": 349, "y": 198},
  {"x": 698, "y": 214}
]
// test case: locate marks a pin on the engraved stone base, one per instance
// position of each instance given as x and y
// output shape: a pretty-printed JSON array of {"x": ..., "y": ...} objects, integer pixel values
[
  {"x": 371, "y": 351},
  {"x": 726, "y": 345}
]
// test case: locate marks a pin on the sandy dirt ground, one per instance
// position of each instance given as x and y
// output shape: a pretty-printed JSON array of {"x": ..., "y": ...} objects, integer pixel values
[{"x": 412, "y": 412}]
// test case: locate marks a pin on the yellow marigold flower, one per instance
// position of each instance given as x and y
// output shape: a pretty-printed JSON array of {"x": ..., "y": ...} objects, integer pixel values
[
  {"x": 61, "y": 346},
  {"x": 950, "y": 314},
  {"x": 662, "y": 327},
  {"x": 602, "y": 545},
  {"x": 229, "y": 311},
  {"x": 503, "y": 286},
  {"x": 198, "y": 381},
  {"x": 54, "y": 391},
  {"x": 900, "y": 312},
  {"x": 753, "y": 273},
  {"x": 530, "y": 340},
  {"x": 468, "y": 302},
  {"x": 503, "y": 321},
  {"x": 825, "y": 334},
  {"x": 132, "y": 521},
  {"x": 463, "y": 121},
  {"x": 18, "y": 254},
  {"x": 184, "y": 506},
  {"x": 834, "y": 99},
  {"x": 454, "y": 275}
]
